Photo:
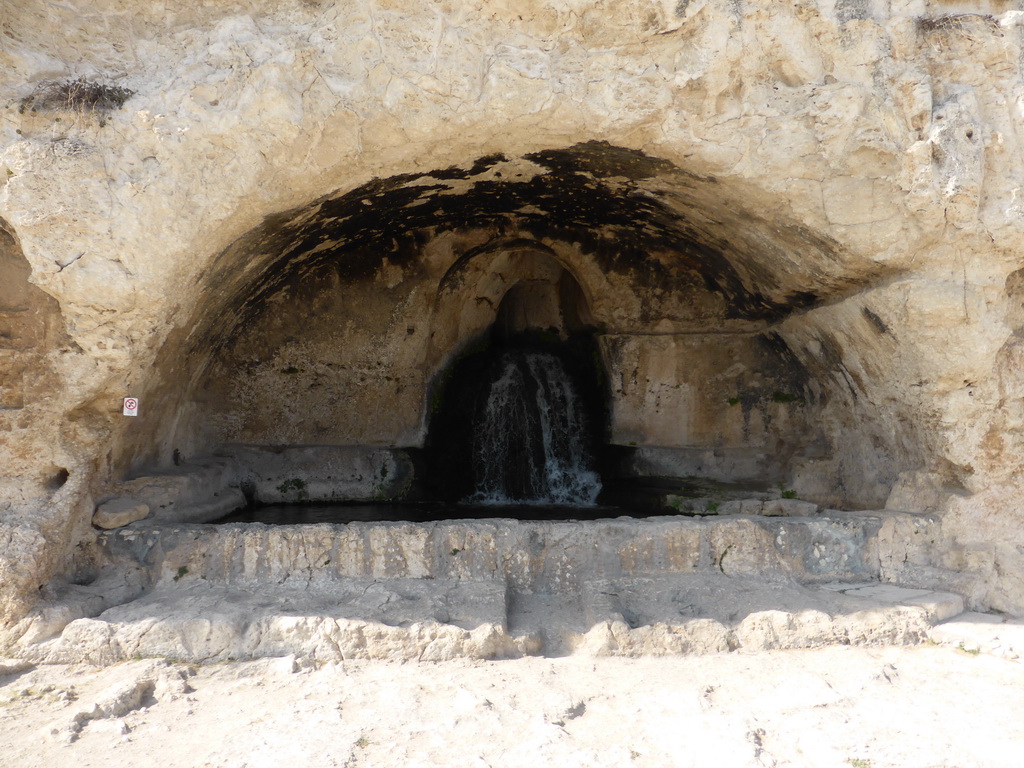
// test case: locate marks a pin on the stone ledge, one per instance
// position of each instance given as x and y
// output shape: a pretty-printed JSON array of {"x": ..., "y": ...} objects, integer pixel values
[
  {"x": 211, "y": 487},
  {"x": 532, "y": 555},
  {"x": 988, "y": 633},
  {"x": 428, "y": 620}
]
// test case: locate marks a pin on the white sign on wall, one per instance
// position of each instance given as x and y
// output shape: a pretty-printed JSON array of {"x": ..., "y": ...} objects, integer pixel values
[{"x": 131, "y": 406}]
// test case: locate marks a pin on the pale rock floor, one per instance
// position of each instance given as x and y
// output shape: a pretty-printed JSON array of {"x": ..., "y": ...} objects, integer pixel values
[{"x": 921, "y": 707}]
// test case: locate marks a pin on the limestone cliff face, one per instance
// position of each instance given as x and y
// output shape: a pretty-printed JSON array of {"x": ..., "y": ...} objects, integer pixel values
[{"x": 810, "y": 208}]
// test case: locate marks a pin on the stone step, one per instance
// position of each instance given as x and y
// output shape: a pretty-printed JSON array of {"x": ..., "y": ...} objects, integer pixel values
[
  {"x": 493, "y": 589},
  {"x": 989, "y": 633},
  {"x": 433, "y": 619},
  {"x": 197, "y": 621},
  {"x": 709, "y": 613},
  {"x": 533, "y": 556},
  {"x": 939, "y": 605}
]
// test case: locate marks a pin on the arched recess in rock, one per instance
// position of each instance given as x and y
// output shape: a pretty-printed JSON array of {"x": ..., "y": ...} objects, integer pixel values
[
  {"x": 517, "y": 283},
  {"x": 497, "y": 305},
  {"x": 718, "y": 329},
  {"x": 1005, "y": 436},
  {"x": 30, "y": 329},
  {"x": 46, "y": 463}
]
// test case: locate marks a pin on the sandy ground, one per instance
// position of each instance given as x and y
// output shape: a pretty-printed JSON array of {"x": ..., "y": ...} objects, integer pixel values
[{"x": 849, "y": 707}]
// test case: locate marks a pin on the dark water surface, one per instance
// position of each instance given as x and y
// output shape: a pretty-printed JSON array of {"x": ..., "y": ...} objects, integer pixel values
[
  {"x": 295, "y": 514},
  {"x": 643, "y": 497}
]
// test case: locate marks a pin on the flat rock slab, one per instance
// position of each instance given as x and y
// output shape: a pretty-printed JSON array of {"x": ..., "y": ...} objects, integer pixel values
[
  {"x": 351, "y": 618},
  {"x": 119, "y": 512},
  {"x": 940, "y": 605},
  {"x": 432, "y": 619},
  {"x": 703, "y": 613},
  {"x": 982, "y": 633}
]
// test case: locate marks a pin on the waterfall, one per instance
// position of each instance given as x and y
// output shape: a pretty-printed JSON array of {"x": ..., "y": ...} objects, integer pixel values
[{"x": 529, "y": 444}]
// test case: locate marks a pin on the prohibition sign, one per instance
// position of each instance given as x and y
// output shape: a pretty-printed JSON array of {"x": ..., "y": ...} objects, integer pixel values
[{"x": 131, "y": 406}]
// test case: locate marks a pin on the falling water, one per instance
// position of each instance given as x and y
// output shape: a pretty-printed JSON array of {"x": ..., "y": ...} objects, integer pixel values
[{"x": 529, "y": 436}]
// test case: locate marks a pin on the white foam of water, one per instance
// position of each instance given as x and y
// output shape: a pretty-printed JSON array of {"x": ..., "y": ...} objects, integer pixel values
[{"x": 528, "y": 443}]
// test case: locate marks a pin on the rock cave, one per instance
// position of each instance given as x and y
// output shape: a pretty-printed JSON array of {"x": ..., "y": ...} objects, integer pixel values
[
  {"x": 341, "y": 326},
  {"x": 773, "y": 252}
]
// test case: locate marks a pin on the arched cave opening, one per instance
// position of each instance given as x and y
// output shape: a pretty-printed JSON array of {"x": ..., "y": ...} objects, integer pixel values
[{"x": 315, "y": 361}]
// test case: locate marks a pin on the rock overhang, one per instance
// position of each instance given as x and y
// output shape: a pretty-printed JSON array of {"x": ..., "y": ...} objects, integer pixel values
[
  {"x": 628, "y": 212},
  {"x": 653, "y": 248},
  {"x": 669, "y": 265}
]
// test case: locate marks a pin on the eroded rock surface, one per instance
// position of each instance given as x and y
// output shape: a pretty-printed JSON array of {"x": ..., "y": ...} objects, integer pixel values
[
  {"x": 791, "y": 229},
  {"x": 496, "y": 589}
]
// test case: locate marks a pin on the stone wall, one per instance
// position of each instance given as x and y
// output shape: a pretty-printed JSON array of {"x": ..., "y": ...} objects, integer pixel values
[{"x": 841, "y": 178}]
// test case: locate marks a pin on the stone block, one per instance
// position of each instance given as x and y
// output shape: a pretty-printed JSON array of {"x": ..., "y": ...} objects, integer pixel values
[
  {"x": 820, "y": 549},
  {"x": 734, "y": 507},
  {"x": 906, "y": 540},
  {"x": 118, "y": 513},
  {"x": 788, "y": 508},
  {"x": 323, "y": 473},
  {"x": 194, "y": 493},
  {"x": 743, "y": 548}
]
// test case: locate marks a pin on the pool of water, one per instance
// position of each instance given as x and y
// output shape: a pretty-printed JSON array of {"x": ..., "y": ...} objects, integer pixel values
[
  {"x": 300, "y": 514},
  {"x": 644, "y": 497}
]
